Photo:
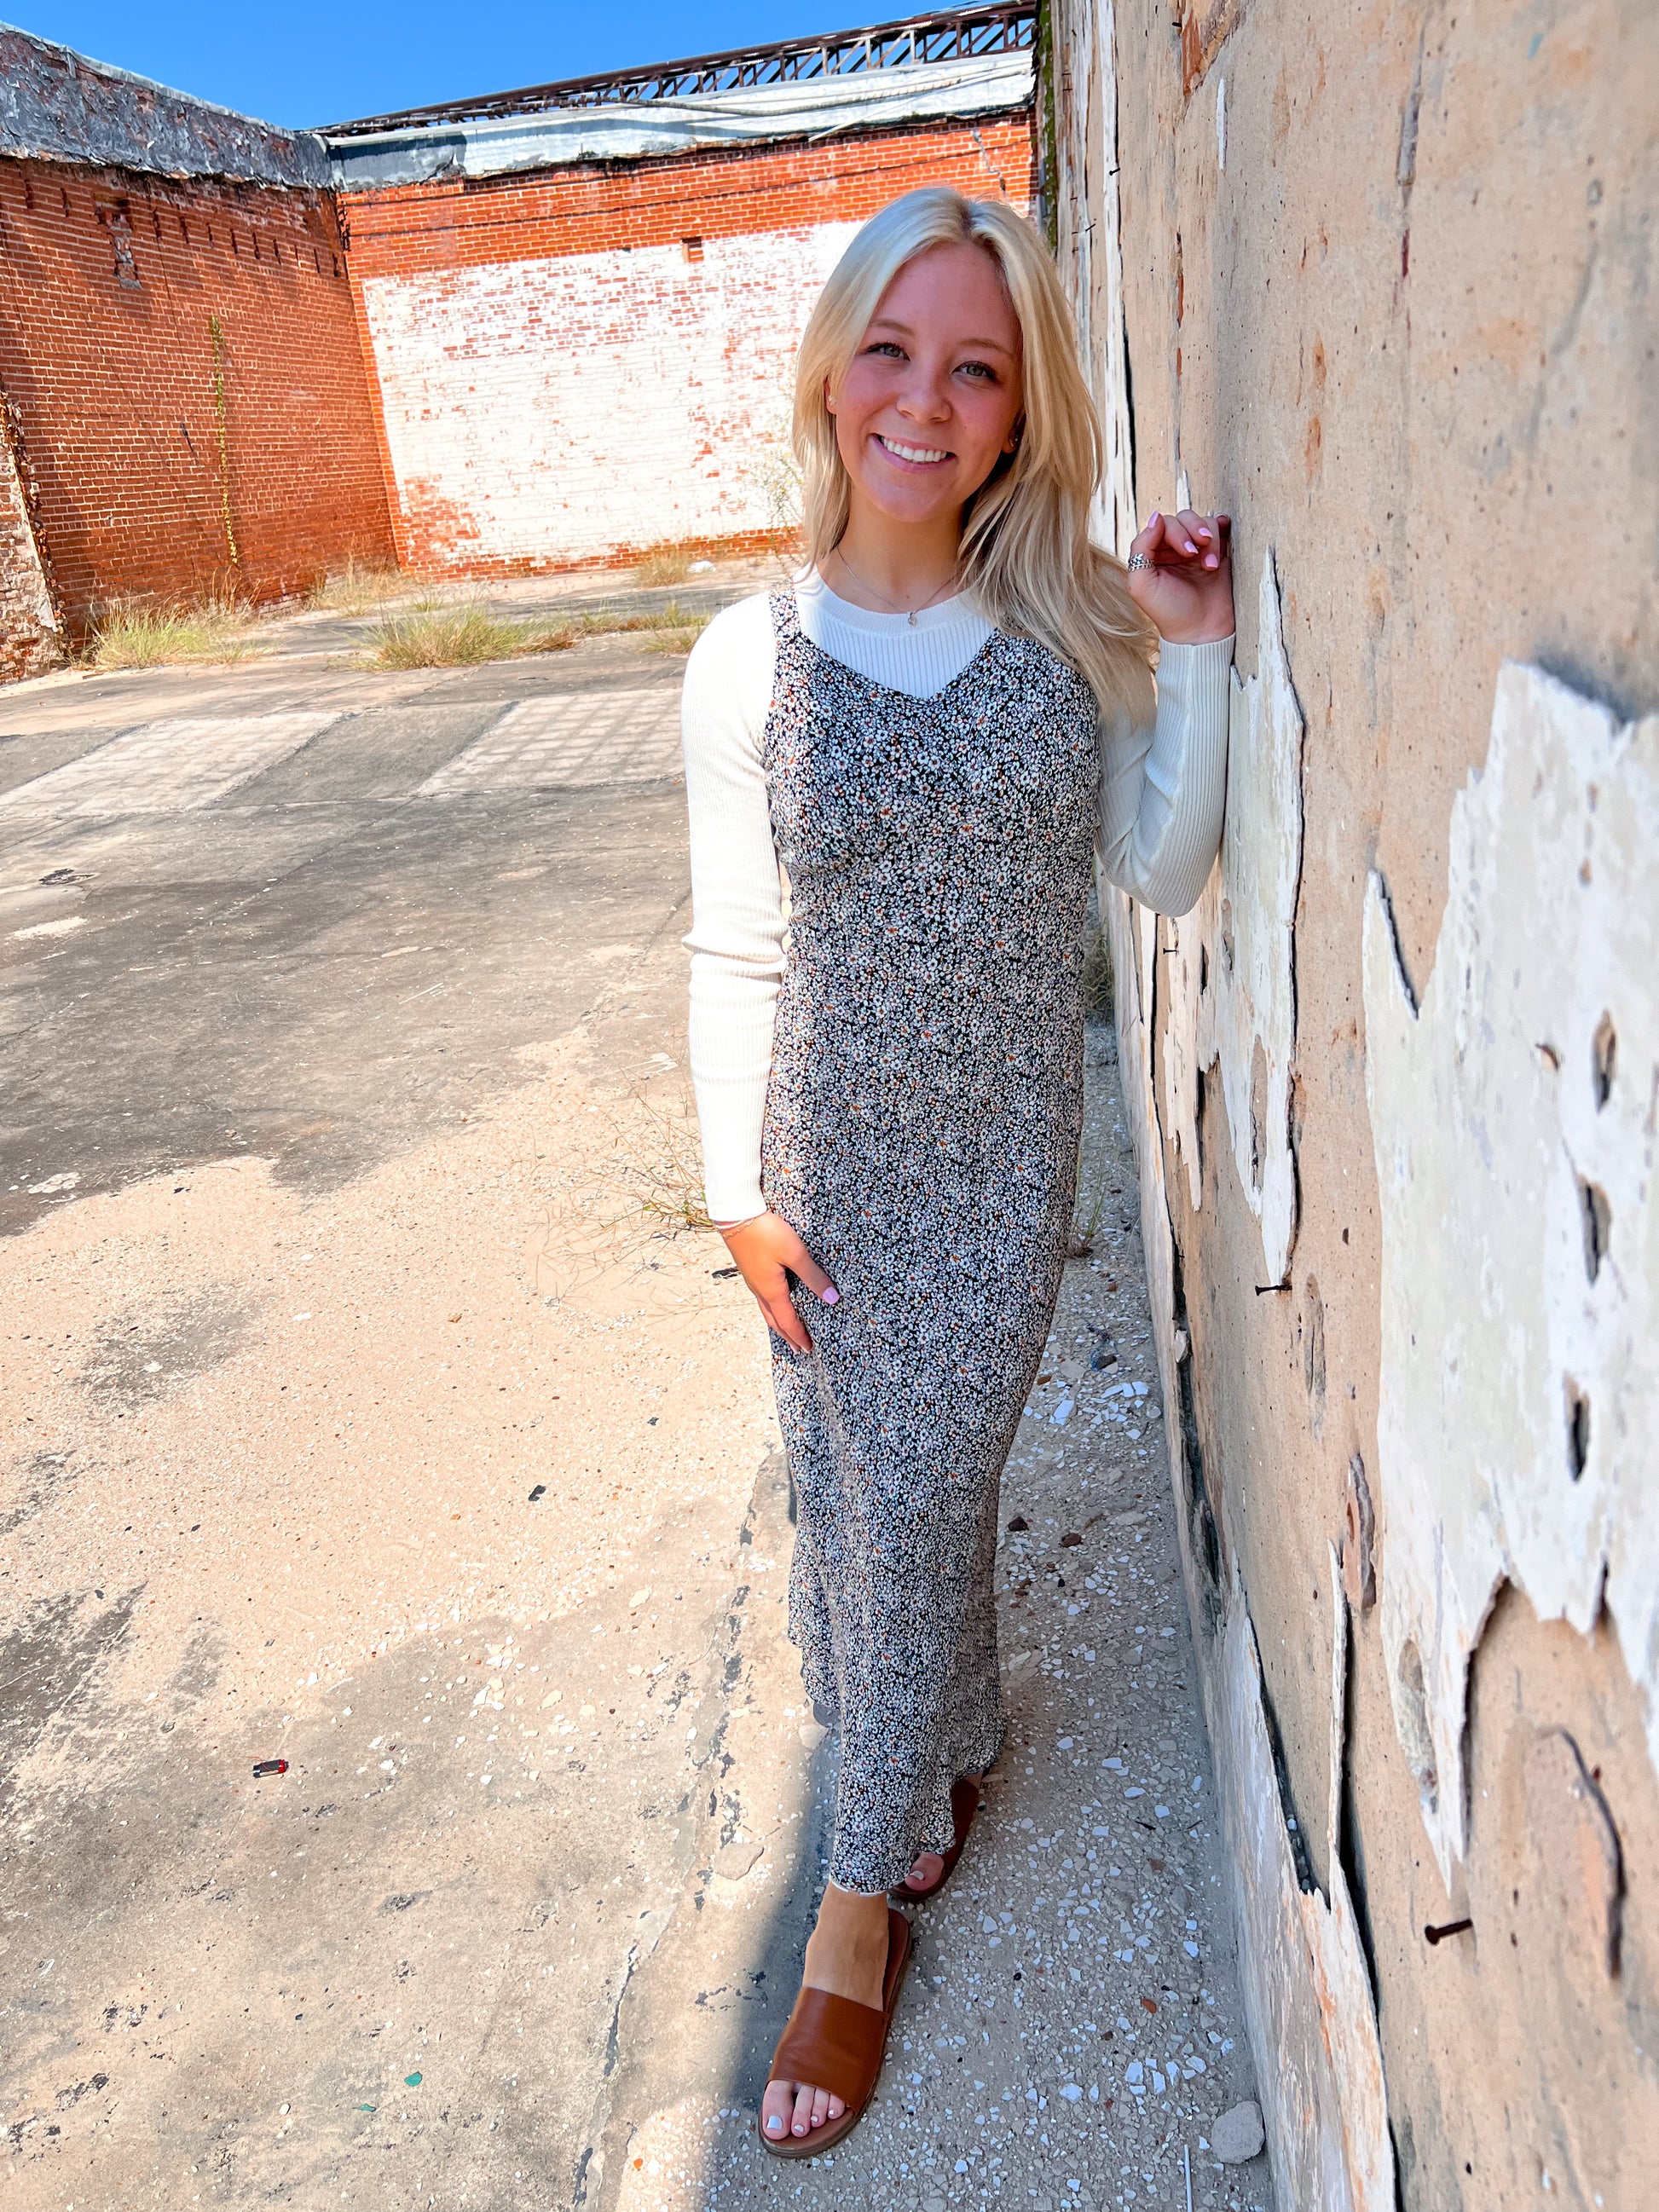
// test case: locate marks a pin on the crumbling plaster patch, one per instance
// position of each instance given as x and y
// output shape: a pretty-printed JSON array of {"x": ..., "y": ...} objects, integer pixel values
[
  {"x": 31, "y": 641},
  {"x": 1313, "y": 2023},
  {"x": 1092, "y": 243},
  {"x": 1306, "y": 1991},
  {"x": 1229, "y": 965},
  {"x": 1513, "y": 1117}
]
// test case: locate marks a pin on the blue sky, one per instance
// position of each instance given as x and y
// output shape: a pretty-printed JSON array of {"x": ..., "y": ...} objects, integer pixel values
[{"x": 302, "y": 62}]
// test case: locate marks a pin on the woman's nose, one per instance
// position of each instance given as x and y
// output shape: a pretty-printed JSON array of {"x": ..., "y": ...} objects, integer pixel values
[{"x": 925, "y": 399}]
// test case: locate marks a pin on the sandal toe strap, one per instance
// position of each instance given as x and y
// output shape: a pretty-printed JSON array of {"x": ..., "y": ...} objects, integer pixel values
[{"x": 834, "y": 2043}]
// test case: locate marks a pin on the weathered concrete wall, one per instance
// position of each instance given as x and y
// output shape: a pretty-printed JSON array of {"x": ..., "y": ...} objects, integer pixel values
[
  {"x": 595, "y": 358},
  {"x": 1378, "y": 283}
]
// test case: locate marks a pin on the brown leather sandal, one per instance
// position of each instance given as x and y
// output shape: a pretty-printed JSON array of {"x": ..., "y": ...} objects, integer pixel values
[
  {"x": 837, "y": 2045},
  {"x": 965, "y": 1802}
]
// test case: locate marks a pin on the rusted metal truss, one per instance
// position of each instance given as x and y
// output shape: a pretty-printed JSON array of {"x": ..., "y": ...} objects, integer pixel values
[{"x": 961, "y": 34}]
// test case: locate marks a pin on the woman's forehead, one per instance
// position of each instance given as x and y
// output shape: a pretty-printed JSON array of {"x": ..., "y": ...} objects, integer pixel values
[{"x": 959, "y": 285}]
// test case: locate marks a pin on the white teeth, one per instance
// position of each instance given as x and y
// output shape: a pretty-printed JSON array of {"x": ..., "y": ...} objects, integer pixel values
[{"x": 912, "y": 453}]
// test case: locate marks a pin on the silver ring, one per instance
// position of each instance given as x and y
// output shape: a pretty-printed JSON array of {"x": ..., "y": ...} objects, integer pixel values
[{"x": 1140, "y": 561}]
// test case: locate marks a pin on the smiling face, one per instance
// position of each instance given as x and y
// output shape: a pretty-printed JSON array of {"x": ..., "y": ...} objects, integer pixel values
[{"x": 933, "y": 393}]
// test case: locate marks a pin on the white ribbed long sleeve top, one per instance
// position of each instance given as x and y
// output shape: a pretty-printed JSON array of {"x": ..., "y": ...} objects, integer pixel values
[{"x": 1161, "y": 791}]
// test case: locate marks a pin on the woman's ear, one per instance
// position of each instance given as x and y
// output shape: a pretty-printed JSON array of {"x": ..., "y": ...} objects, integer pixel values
[
  {"x": 1010, "y": 443},
  {"x": 828, "y": 398}
]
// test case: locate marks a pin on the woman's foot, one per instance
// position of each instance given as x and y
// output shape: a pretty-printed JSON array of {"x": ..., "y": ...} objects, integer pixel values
[
  {"x": 924, "y": 1875},
  {"x": 847, "y": 1954},
  {"x": 928, "y": 1872}
]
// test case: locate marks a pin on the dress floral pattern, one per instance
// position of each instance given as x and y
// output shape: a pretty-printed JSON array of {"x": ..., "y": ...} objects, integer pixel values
[{"x": 921, "y": 1132}]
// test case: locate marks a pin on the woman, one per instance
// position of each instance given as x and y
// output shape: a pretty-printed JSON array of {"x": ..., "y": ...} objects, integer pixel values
[{"x": 929, "y": 737}]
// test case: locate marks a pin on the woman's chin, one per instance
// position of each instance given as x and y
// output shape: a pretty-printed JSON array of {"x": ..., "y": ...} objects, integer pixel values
[{"x": 913, "y": 502}]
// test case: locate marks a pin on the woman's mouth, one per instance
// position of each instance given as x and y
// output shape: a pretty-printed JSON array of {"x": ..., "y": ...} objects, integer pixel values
[{"x": 915, "y": 457}]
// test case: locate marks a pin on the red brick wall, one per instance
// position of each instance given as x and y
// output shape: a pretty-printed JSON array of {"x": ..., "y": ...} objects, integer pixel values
[
  {"x": 458, "y": 222},
  {"x": 576, "y": 363},
  {"x": 112, "y": 289}
]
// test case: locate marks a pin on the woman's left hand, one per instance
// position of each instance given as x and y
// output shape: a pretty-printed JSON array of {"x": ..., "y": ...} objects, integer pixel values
[{"x": 1187, "y": 592}]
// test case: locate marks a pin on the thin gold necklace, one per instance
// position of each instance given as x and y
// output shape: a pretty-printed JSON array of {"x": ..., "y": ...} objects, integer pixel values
[{"x": 911, "y": 611}]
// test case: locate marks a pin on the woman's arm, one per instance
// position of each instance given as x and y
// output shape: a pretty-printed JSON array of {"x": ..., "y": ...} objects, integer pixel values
[
  {"x": 735, "y": 941},
  {"x": 736, "y": 938},
  {"x": 1163, "y": 788}
]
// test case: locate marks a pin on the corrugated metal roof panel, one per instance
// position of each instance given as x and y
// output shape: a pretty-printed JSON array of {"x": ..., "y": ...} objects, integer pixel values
[{"x": 639, "y": 131}]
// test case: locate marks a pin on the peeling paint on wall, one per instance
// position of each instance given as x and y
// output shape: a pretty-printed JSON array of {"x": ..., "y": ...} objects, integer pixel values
[
  {"x": 1230, "y": 966},
  {"x": 1385, "y": 298},
  {"x": 1306, "y": 1988},
  {"x": 31, "y": 641},
  {"x": 1516, "y": 1121},
  {"x": 1088, "y": 181}
]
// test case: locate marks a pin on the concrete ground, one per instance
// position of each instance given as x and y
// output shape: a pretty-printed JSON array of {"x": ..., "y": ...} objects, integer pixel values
[{"x": 370, "y": 1406}]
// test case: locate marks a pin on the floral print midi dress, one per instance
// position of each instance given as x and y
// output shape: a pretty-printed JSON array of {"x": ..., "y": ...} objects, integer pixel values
[{"x": 922, "y": 1120}]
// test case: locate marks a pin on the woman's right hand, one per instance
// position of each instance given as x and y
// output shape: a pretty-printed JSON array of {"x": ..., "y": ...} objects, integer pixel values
[{"x": 763, "y": 1249}]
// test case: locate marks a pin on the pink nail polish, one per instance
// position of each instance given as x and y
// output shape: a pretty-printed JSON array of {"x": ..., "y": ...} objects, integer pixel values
[
  {"x": 831, "y": 1296},
  {"x": 1157, "y": 517}
]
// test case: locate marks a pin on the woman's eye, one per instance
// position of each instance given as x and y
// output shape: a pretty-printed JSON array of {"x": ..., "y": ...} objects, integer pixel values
[
  {"x": 886, "y": 346},
  {"x": 981, "y": 369}
]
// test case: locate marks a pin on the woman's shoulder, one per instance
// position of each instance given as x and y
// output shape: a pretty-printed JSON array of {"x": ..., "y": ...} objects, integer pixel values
[
  {"x": 736, "y": 632},
  {"x": 728, "y": 676}
]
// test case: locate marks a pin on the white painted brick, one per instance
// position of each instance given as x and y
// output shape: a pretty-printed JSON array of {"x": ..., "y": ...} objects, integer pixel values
[{"x": 552, "y": 410}]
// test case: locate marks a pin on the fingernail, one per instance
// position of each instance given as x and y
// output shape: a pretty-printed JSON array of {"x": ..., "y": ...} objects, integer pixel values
[
  {"x": 1205, "y": 535},
  {"x": 830, "y": 1296},
  {"x": 1156, "y": 517},
  {"x": 1191, "y": 547},
  {"x": 1210, "y": 560}
]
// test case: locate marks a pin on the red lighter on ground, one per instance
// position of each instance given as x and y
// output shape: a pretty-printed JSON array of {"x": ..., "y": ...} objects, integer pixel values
[{"x": 270, "y": 1766}]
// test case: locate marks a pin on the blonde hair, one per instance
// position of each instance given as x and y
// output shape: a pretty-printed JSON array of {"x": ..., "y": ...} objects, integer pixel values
[{"x": 1026, "y": 557}]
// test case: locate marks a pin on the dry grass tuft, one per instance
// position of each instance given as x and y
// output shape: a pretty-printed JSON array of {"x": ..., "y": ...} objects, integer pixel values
[
  {"x": 672, "y": 629},
  {"x": 433, "y": 635},
  {"x": 661, "y": 1172},
  {"x": 637, "y": 1191},
  {"x": 359, "y": 588},
  {"x": 664, "y": 564},
  {"x": 1097, "y": 982},
  {"x": 668, "y": 564},
  {"x": 680, "y": 639},
  {"x": 211, "y": 629}
]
